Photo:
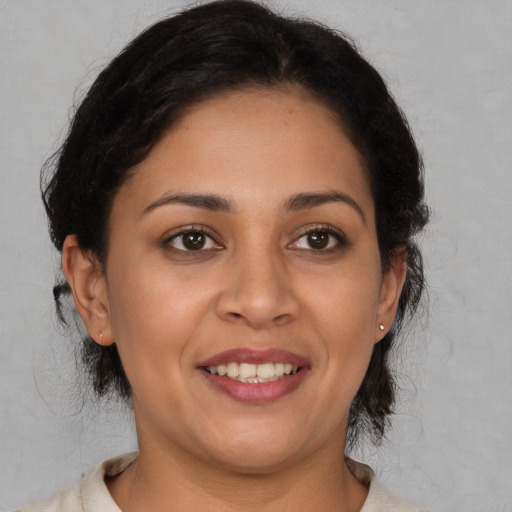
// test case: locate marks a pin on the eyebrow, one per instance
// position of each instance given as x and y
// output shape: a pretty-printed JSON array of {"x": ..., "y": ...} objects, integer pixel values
[
  {"x": 307, "y": 200},
  {"x": 210, "y": 202},
  {"x": 215, "y": 203}
]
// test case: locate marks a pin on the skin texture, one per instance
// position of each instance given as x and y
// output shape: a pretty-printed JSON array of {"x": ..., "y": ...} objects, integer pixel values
[{"x": 257, "y": 283}]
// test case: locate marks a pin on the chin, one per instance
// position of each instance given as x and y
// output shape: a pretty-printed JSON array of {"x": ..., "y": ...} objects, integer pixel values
[
  {"x": 256, "y": 452},
  {"x": 256, "y": 462}
]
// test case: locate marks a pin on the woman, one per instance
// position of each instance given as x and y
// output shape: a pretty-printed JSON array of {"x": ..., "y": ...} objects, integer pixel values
[{"x": 236, "y": 204}]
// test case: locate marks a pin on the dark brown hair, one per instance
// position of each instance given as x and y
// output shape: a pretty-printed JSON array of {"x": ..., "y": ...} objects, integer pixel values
[{"x": 220, "y": 46}]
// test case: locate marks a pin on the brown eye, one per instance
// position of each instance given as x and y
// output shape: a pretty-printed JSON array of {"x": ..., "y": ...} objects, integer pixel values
[
  {"x": 321, "y": 240},
  {"x": 188, "y": 241},
  {"x": 318, "y": 239},
  {"x": 193, "y": 241}
]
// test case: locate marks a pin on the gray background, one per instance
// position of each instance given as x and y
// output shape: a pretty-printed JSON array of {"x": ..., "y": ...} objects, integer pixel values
[{"x": 450, "y": 66}]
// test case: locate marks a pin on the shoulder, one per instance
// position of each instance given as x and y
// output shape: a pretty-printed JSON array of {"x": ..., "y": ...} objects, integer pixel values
[
  {"x": 68, "y": 500},
  {"x": 91, "y": 494},
  {"x": 378, "y": 500}
]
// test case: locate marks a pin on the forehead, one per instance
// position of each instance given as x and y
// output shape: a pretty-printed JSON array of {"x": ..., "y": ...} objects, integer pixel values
[{"x": 257, "y": 144}]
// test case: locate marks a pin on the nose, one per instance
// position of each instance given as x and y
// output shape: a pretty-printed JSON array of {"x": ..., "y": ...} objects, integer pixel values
[{"x": 258, "y": 292}]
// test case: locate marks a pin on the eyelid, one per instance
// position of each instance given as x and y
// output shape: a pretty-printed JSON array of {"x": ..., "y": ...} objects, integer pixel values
[
  {"x": 337, "y": 233},
  {"x": 191, "y": 228}
]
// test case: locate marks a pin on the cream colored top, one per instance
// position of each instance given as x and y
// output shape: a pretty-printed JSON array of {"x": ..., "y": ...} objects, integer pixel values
[{"x": 91, "y": 494}]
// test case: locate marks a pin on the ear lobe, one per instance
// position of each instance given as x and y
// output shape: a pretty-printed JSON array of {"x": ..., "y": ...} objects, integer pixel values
[
  {"x": 85, "y": 276},
  {"x": 391, "y": 288}
]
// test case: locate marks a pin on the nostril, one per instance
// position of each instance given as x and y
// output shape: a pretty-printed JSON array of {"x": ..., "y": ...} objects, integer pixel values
[{"x": 282, "y": 319}]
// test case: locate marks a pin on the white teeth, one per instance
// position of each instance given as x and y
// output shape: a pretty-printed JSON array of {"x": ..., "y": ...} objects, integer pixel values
[
  {"x": 232, "y": 370},
  {"x": 266, "y": 371},
  {"x": 253, "y": 373},
  {"x": 247, "y": 370},
  {"x": 278, "y": 369}
]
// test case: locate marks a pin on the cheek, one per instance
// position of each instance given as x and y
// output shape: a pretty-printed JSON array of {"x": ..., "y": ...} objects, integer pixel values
[
  {"x": 138, "y": 306},
  {"x": 346, "y": 301},
  {"x": 154, "y": 314},
  {"x": 345, "y": 315}
]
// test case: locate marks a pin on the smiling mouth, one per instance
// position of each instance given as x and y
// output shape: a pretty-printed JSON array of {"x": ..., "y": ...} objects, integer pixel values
[{"x": 253, "y": 373}]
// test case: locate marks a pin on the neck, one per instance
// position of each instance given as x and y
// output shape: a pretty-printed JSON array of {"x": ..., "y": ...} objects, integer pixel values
[{"x": 163, "y": 480}]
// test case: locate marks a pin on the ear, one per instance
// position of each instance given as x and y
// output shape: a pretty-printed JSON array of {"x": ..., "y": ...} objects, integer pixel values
[
  {"x": 85, "y": 276},
  {"x": 392, "y": 283}
]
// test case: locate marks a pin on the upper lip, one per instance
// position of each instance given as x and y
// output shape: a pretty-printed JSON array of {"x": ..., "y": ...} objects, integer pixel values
[{"x": 255, "y": 356}]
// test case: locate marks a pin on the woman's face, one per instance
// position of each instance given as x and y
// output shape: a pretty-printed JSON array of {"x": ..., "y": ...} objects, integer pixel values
[{"x": 245, "y": 244}]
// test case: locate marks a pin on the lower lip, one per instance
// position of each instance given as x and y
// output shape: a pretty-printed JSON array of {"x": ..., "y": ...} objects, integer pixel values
[{"x": 256, "y": 393}]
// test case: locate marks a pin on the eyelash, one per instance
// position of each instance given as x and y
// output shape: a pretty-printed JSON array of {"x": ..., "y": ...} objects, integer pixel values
[
  {"x": 191, "y": 230},
  {"x": 339, "y": 237},
  {"x": 333, "y": 233}
]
